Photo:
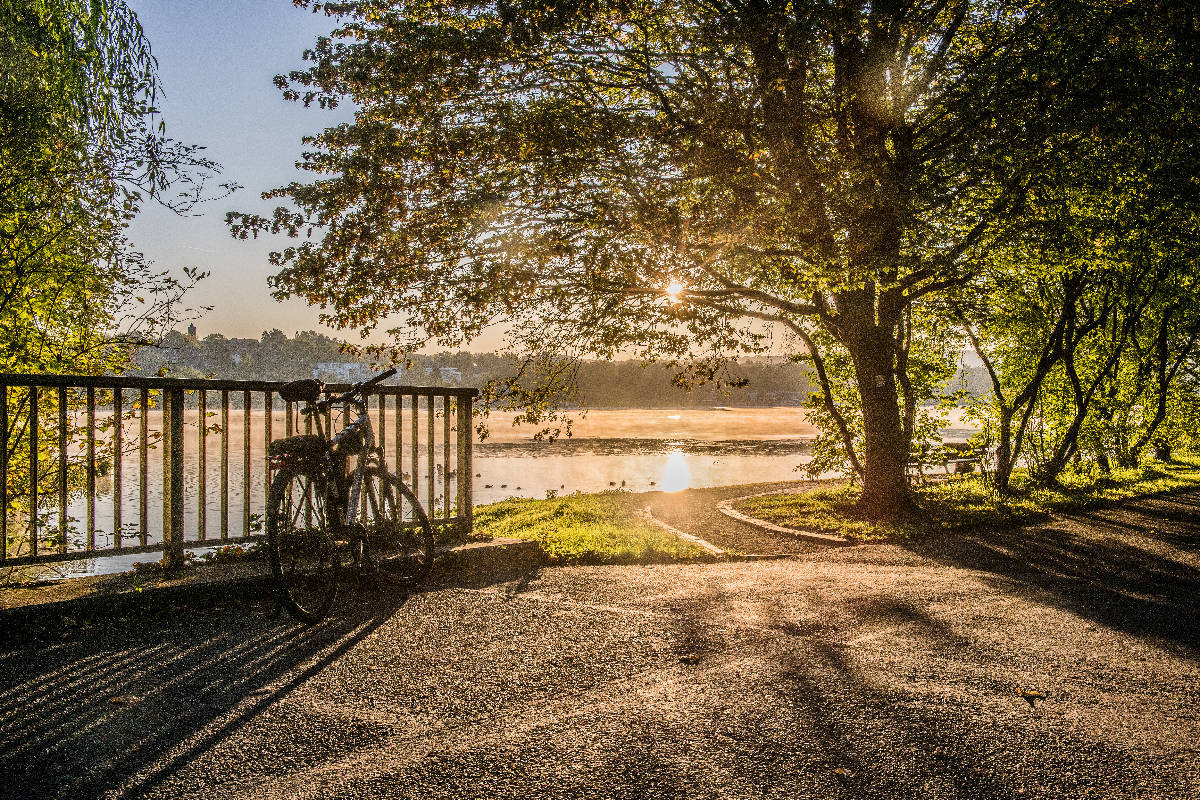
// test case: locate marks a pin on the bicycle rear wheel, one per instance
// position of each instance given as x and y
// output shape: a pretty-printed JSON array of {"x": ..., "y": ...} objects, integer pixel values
[
  {"x": 398, "y": 539},
  {"x": 305, "y": 558}
]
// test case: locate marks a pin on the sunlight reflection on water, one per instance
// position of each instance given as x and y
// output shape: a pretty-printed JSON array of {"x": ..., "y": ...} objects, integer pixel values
[{"x": 675, "y": 475}]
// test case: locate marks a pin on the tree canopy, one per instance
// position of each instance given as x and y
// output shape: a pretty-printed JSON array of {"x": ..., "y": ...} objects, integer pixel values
[
  {"x": 81, "y": 146},
  {"x": 663, "y": 177}
]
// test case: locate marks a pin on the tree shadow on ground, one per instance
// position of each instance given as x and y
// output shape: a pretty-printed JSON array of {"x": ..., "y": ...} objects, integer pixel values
[
  {"x": 142, "y": 695},
  {"x": 517, "y": 574},
  {"x": 1130, "y": 567},
  {"x": 883, "y": 735},
  {"x": 860, "y": 737}
]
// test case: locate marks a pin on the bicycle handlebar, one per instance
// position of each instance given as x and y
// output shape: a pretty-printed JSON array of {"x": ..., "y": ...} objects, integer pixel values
[
  {"x": 352, "y": 391},
  {"x": 359, "y": 387}
]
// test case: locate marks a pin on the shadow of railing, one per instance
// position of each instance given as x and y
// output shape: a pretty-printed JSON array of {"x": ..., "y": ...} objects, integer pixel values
[{"x": 115, "y": 710}]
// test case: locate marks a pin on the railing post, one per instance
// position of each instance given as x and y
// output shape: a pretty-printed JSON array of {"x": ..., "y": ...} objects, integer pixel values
[
  {"x": 431, "y": 460},
  {"x": 33, "y": 470},
  {"x": 465, "y": 473},
  {"x": 118, "y": 422},
  {"x": 172, "y": 479},
  {"x": 143, "y": 466},
  {"x": 446, "y": 456}
]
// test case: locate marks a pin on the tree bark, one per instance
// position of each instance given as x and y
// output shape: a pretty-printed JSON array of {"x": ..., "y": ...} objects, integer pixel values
[
  {"x": 1163, "y": 380},
  {"x": 1004, "y": 453},
  {"x": 827, "y": 397},
  {"x": 885, "y": 492}
]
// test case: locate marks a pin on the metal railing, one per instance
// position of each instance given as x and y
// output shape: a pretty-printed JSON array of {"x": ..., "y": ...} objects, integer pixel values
[{"x": 68, "y": 441}]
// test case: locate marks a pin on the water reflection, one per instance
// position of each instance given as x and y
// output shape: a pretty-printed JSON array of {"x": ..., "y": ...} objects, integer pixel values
[
  {"x": 676, "y": 475},
  {"x": 642, "y": 465}
]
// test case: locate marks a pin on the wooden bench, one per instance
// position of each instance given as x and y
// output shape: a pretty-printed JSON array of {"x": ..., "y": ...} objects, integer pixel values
[{"x": 915, "y": 470}]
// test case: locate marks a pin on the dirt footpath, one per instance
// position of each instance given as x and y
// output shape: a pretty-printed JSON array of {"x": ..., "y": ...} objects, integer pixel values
[{"x": 855, "y": 672}]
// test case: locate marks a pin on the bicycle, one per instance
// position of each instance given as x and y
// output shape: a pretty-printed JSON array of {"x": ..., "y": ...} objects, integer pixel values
[{"x": 322, "y": 516}]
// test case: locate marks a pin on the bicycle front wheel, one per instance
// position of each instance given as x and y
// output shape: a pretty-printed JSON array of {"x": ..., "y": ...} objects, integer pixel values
[
  {"x": 398, "y": 538},
  {"x": 305, "y": 559}
]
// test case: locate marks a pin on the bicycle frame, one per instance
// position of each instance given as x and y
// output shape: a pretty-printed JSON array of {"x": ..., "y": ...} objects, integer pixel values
[{"x": 367, "y": 456}]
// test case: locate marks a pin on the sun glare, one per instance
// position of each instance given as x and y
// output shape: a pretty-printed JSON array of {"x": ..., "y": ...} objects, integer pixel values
[
  {"x": 674, "y": 290},
  {"x": 676, "y": 474}
]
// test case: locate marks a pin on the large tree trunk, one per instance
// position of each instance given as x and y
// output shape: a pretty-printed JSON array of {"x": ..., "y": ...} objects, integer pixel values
[
  {"x": 1004, "y": 454},
  {"x": 885, "y": 493}
]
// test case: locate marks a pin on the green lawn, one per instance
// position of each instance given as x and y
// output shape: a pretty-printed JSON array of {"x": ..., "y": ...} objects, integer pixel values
[
  {"x": 967, "y": 502},
  {"x": 586, "y": 529}
]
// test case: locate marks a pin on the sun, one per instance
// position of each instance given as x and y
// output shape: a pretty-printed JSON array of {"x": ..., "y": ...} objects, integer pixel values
[{"x": 674, "y": 290}]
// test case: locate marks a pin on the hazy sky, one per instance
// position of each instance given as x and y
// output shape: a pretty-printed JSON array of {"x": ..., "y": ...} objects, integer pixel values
[{"x": 217, "y": 60}]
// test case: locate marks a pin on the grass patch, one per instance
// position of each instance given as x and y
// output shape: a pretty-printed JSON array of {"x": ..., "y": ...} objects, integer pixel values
[
  {"x": 586, "y": 529},
  {"x": 969, "y": 502}
]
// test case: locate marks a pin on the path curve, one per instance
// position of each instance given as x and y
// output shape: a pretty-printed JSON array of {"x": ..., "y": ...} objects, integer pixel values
[
  {"x": 726, "y": 508},
  {"x": 705, "y": 545},
  {"x": 696, "y": 512}
]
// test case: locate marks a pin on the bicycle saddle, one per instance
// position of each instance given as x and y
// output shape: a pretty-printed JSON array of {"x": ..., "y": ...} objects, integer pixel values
[{"x": 305, "y": 391}]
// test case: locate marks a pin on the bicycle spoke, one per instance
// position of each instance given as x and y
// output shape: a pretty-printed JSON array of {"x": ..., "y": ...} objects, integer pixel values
[
  {"x": 304, "y": 557},
  {"x": 402, "y": 550}
]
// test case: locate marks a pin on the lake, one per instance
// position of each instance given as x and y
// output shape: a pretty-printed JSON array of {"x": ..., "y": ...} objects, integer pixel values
[
  {"x": 633, "y": 449},
  {"x": 644, "y": 449}
]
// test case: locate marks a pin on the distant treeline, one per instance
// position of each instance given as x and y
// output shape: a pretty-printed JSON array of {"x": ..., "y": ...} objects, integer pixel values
[{"x": 612, "y": 384}]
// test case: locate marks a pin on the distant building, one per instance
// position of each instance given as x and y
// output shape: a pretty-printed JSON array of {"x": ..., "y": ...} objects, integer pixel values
[
  {"x": 192, "y": 331},
  {"x": 342, "y": 371},
  {"x": 450, "y": 374}
]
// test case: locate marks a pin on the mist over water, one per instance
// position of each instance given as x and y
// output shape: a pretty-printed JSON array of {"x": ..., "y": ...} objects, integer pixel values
[{"x": 652, "y": 449}]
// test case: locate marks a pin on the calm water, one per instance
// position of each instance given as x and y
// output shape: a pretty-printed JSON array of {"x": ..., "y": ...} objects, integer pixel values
[
  {"x": 635, "y": 449},
  {"x": 645, "y": 449}
]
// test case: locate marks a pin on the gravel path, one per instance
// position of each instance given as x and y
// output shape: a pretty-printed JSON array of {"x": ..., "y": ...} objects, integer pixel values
[{"x": 855, "y": 672}]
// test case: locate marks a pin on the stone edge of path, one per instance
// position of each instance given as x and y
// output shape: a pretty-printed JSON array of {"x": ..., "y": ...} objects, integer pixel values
[
  {"x": 708, "y": 546},
  {"x": 705, "y": 545},
  {"x": 726, "y": 508},
  {"x": 207, "y": 584}
]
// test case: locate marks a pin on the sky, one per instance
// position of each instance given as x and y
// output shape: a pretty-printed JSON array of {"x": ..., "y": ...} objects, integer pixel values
[{"x": 217, "y": 60}]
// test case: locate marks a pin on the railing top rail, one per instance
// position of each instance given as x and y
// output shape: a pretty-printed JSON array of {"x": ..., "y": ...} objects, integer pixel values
[
  {"x": 436, "y": 391},
  {"x": 118, "y": 382}
]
